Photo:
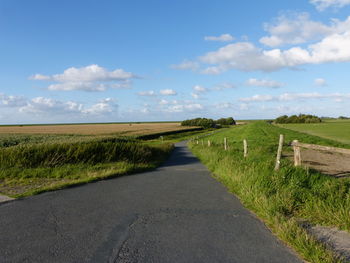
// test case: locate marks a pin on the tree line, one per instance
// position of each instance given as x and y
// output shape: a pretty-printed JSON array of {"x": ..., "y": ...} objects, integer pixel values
[
  {"x": 301, "y": 118},
  {"x": 209, "y": 123}
]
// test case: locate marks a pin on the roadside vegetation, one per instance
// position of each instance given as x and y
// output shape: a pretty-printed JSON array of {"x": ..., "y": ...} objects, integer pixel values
[
  {"x": 35, "y": 163},
  {"x": 28, "y": 169},
  {"x": 285, "y": 198}
]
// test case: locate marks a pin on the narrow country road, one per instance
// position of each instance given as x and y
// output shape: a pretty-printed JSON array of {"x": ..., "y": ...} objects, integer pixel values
[{"x": 177, "y": 213}]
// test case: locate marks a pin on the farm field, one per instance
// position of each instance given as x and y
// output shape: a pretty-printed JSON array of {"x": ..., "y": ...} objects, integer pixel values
[
  {"x": 284, "y": 198},
  {"x": 331, "y": 129},
  {"x": 128, "y": 129}
]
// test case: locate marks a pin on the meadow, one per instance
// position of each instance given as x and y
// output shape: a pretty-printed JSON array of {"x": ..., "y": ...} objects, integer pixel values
[
  {"x": 47, "y": 160},
  {"x": 283, "y": 199},
  {"x": 338, "y": 130}
]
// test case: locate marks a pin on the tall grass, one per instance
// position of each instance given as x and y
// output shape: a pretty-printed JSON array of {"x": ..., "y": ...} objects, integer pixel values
[
  {"x": 89, "y": 152},
  {"x": 282, "y": 198},
  {"x": 30, "y": 168}
]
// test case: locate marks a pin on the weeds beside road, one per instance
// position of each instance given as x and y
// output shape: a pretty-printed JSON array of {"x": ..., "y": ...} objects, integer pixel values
[
  {"x": 31, "y": 164},
  {"x": 280, "y": 198}
]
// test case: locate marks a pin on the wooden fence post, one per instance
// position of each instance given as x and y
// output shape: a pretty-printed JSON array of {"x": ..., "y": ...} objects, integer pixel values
[
  {"x": 297, "y": 155},
  {"x": 245, "y": 146},
  {"x": 279, "y": 152},
  {"x": 197, "y": 142},
  {"x": 209, "y": 144},
  {"x": 225, "y": 143}
]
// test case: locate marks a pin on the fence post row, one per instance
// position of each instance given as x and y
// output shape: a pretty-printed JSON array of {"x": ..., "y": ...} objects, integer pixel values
[
  {"x": 245, "y": 147},
  {"x": 297, "y": 155},
  {"x": 279, "y": 152}
]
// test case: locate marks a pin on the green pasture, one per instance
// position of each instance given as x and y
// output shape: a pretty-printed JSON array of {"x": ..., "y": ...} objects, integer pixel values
[{"x": 338, "y": 130}]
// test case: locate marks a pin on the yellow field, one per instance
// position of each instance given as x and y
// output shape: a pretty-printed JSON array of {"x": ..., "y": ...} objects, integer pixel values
[{"x": 95, "y": 129}]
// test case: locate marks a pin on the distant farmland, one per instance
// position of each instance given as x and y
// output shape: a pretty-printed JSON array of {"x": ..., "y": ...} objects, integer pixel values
[{"x": 95, "y": 129}]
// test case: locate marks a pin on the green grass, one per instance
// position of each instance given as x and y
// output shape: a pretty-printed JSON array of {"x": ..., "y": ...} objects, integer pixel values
[
  {"x": 30, "y": 168},
  {"x": 280, "y": 198},
  {"x": 338, "y": 130},
  {"x": 31, "y": 164}
]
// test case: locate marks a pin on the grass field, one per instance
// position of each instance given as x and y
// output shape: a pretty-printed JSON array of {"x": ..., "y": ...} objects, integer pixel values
[
  {"x": 338, "y": 130},
  {"x": 128, "y": 129},
  {"x": 284, "y": 198}
]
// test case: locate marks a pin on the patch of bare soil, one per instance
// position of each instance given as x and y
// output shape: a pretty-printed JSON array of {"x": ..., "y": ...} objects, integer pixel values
[
  {"x": 336, "y": 240},
  {"x": 334, "y": 164}
]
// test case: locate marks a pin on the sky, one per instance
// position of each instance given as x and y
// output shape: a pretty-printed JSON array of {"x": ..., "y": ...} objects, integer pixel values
[{"x": 65, "y": 61}]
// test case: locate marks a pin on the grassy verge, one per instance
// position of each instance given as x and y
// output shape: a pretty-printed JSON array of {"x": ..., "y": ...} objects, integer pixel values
[
  {"x": 280, "y": 198},
  {"x": 28, "y": 169}
]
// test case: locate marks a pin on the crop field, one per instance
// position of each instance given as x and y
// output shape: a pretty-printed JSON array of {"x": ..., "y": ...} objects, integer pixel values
[
  {"x": 284, "y": 198},
  {"x": 334, "y": 129},
  {"x": 128, "y": 129}
]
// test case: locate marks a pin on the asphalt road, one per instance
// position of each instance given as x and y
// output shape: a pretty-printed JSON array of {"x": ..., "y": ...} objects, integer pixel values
[{"x": 177, "y": 213}]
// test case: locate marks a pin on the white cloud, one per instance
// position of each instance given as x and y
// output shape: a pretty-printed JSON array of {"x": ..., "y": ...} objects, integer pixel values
[
  {"x": 89, "y": 78},
  {"x": 324, "y": 4},
  {"x": 297, "y": 28},
  {"x": 51, "y": 107},
  {"x": 104, "y": 106},
  {"x": 213, "y": 70},
  {"x": 186, "y": 65},
  {"x": 296, "y": 96},
  {"x": 168, "y": 92},
  {"x": 39, "y": 77},
  {"x": 264, "y": 83},
  {"x": 246, "y": 56},
  {"x": 199, "y": 89},
  {"x": 320, "y": 82},
  {"x": 191, "y": 107},
  {"x": 163, "y": 102},
  {"x": 224, "y": 86},
  {"x": 221, "y": 38},
  {"x": 12, "y": 101},
  {"x": 146, "y": 93},
  {"x": 225, "y": 105},
  {"x": 195, "y": 95},
  {"x": 258, "y": 98}
]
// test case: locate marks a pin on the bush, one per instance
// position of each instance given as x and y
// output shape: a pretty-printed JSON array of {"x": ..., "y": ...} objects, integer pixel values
[
  {"x": 301, "y": 118},
  {"x": 226, "y": 121},
  {"x": 208, "y": 123}
]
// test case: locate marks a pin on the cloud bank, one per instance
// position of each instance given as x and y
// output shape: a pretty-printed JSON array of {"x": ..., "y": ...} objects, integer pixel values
[{"x": 89, "y": 78}]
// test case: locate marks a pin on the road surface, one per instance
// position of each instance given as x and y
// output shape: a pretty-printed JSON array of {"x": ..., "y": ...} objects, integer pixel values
[{"x": 177, "y": 213}]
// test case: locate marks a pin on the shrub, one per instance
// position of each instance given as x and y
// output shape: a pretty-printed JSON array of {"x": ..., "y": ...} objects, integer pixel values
[
  {"x": 208, "y": 123},
  {"x": 301, "y": 118}
]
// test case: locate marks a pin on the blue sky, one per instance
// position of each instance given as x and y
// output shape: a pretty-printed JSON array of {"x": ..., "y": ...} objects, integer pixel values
[{"x": 110, "y": 61}]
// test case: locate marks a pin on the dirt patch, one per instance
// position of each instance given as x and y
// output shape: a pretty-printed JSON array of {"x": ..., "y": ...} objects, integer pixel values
[
  {"x": 334, "y": 164},
  {"x": 336, "y": 240}
]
